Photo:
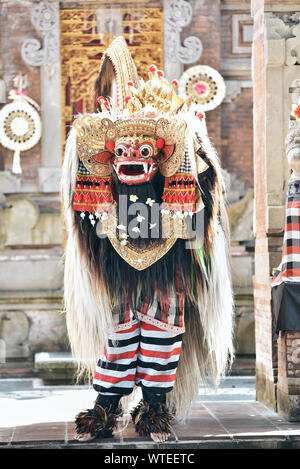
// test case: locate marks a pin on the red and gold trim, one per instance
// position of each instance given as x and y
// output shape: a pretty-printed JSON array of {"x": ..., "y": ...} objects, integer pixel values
[
  {"x": 92, "y": 193},
  {"x": 180, "y": 193}
]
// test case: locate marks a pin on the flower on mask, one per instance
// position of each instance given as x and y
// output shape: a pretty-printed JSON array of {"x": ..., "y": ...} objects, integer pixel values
[
  {"x": 140, "y": 218},
  {"x": 133, "y": 198},
  {"x": 136, "y": 229},
  {"x": 121, "y": 227},
  {"x": 123, "y": 242},
  {"x": 152, "y": 225},
  {"x": 150, "y": 201},
  {"x": 123, "y": 235}
]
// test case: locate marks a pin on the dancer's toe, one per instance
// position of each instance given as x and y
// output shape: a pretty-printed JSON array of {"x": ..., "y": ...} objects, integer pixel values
[
  {"x": 159, "y": 437},
  {"x": 83, "y": 436}
]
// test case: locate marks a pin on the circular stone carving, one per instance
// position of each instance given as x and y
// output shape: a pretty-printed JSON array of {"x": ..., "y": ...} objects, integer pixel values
[{"x": 204, "y": 85}]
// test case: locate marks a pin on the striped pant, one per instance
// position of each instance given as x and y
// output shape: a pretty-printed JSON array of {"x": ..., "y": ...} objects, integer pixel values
[{"x": 144, "y": 355}]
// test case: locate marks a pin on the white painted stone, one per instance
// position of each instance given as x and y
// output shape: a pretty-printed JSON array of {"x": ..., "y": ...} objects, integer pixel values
[
  {"x": 59, "y": 359},
  {"x": 29, "y": 269},
  {"x": 276, "y": 29},
  {"x": 275, "y": 136},
  {"x": 293, "y": 47},
  {"x": 47, "y": 330},
  {"x": 242, "y": 269},
  {"x": 9, "y": 183},
  {"x": 236, "y": 47},
  {"x": 276, "y": 52},
  {"x": 234, "y": 89},
  {"x": 241, "y": 218},
  {"x": 244, "y": 335},
  {"x": 275, "y": 219},
  {"x": 20, "y": 219},
  {"x": 247, "y": 33},
  {"x": 177, "y": 15},
  {"x": 51, "y": 118},
  {"x": 49, "y": 178},
  {"x": 14, "y": 328},
  {"x": 46, "y": 55},
  {"x": 48, "y": 229}
]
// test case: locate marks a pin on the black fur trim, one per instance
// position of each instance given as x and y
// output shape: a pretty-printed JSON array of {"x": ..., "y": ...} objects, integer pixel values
[
  {"x": 148, "y": 419},
  {"x": 98, "y": 421}
]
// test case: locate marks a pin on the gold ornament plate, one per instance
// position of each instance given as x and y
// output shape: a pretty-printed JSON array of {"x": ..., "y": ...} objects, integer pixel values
[{"x": 141, "y": 259}]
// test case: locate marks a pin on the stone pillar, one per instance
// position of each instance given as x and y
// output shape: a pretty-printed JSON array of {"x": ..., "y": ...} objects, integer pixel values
[
  {"x": 274, "y": 70},
  {"x": 288, "y": 388},
  {"x": 265, "y": 375}
]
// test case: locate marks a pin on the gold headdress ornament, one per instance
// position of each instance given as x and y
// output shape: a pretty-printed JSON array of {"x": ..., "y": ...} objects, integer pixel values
[
  {"x": 156, "y": 93},
  {"x": 124, "y": 68}
]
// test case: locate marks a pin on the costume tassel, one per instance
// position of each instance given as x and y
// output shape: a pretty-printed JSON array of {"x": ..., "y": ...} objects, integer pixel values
[{"x": 16, "y": 167}]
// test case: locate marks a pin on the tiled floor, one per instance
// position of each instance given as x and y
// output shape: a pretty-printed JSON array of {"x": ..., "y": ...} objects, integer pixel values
[{"x": 31, "y": 414}]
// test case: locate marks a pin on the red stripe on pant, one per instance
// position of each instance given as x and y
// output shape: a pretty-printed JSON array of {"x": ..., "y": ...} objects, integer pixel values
[{"x": 144, "y": 355}]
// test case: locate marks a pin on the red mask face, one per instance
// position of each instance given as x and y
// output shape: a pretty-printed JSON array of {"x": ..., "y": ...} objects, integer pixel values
[{"x": 135, "y": 161}]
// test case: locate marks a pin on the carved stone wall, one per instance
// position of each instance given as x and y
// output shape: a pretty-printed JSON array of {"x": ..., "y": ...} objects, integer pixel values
[{"x": 276, "y": 68}]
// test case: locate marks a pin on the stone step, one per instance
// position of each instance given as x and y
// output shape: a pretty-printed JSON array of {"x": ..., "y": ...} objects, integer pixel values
[
  {"x": 21, "y": 269},
  {"x": 55, "y": 368},
  {"x": 243, "y": 366},
  {"x": 16, "y": 369}
]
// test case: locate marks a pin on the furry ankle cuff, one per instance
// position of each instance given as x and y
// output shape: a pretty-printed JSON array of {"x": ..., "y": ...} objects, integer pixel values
[
  {"x": 148, "y": 419},
  {"x": 100, "y": 421}
]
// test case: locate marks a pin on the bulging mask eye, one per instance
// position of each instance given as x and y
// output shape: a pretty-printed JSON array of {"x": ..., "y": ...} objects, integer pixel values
[
  {"x": 120, "y": 150},
  {"x": 146, "y": 150}
]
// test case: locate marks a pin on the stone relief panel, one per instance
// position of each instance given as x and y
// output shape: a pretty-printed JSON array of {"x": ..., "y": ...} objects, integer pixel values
[
  {"x": 234, "y": 89},
  {"x": 177, "y": 15},
  {"x": 45, "y": 18},
  {"x": 242, "y": 31},
  {"x": 285, "y": 26},
  {"x": 14, "y": 330}
]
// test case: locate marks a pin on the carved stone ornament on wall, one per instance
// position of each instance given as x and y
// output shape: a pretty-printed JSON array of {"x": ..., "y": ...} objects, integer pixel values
[
  {"x": 242, "y": 31},
  {"x": 287, "y": 27},
  {"x": 45, "y": 18},
  {"x": 178, "y": 14},
  {"x": 234, "y": 89},
  {"x": 293, "y": 47}
]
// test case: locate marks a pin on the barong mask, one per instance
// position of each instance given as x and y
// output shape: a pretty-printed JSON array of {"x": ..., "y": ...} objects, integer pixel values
[{"x": 136, "y": 142}]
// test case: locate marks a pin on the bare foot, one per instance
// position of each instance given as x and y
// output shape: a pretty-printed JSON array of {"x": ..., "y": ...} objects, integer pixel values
[
  {"x": 159, "y": 437},
  {"x": 83, "y": 436}
]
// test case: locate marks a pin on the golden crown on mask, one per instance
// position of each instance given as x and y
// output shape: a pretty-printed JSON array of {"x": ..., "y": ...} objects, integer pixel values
[{"x": 155, "y": 96}]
